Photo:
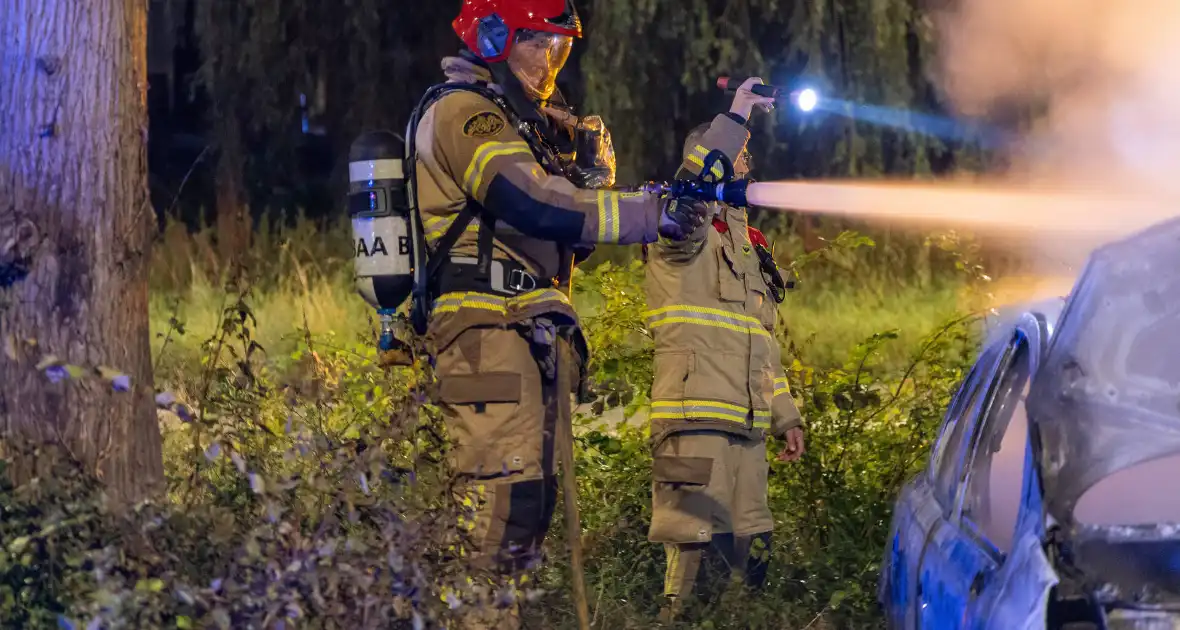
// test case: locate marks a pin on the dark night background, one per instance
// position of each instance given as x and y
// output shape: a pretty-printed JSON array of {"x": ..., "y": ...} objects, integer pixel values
[{"x": 269, "y": 94}]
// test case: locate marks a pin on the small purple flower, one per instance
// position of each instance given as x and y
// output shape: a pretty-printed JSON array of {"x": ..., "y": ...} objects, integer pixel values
[
  {"x": 185, "y": 597},
  {"x": 121, "y": 383},
  {"x": 213, "y": 452},
  {"x": 64, "y": 623},
  {"x": 183, "y": 411},
  {"x": 215, "y": 585},
  {"x": 364, "y": 483},
  {"x": 453, "y": 601},
  {"x": 56, "y": 374},
  {"x": 94, "y": 624},
  {"x": 165, "y": 399},
  {"x": 256, "y": 483},
  {"x": 238, "y": 462},
  {"x": 506, "y": 597}
]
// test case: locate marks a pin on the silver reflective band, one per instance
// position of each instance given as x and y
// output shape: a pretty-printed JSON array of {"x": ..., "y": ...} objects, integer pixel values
[{"x": 375, "y": 169}]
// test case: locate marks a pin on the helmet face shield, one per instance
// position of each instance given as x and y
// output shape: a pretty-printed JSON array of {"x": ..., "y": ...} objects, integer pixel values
[{"x": 537, "y": 58}]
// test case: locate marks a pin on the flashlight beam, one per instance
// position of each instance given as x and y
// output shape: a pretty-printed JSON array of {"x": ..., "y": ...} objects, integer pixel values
[
  {"x": 805, "y": 100},
  {"x": 916, "y": 122}
]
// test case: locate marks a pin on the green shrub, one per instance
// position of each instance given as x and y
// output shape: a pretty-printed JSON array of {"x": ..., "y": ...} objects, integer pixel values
[{"x": 306, "y": 483}]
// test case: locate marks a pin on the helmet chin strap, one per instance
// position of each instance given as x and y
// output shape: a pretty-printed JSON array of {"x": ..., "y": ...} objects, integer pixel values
[
  {"x": 524, "y": 106},
  {"x": 527, "y": 109}
]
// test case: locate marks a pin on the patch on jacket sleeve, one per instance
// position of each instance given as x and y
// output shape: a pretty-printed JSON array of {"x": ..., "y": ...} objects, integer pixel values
[{"x": 483, "y": 125}]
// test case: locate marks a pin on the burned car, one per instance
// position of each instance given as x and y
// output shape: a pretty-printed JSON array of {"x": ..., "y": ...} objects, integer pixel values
[{"x": 1046, "y": 501}]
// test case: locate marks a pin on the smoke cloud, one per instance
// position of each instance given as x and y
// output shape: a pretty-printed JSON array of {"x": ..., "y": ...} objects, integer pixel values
[{"x": 1103, "y": 77}]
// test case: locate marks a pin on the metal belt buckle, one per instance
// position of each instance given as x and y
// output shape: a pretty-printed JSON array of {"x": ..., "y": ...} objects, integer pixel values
[{"x": 517, "y": 278}]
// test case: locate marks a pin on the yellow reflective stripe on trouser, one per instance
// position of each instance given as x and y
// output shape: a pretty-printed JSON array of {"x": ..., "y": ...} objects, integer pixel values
[
  {"x": 473, "y": 178},
  {"x": 435, "y": 227},
  {"x": 705, "y": 410},
  {"x": 697, "y": 156},
  {"x": 781, "y": 387},
  {"x": 452, "y": 302},
  {"x": 608, "y": 217},
  {"x": 704, "y": 316},
  {"x": 673, "y": 573}
]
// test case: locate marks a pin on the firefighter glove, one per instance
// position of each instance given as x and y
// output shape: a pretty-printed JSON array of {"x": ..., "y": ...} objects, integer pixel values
[
  {"x": 543, "y": 342},
  {"x": 745, "y": 100},
  {"x": 682, "y": 217}
]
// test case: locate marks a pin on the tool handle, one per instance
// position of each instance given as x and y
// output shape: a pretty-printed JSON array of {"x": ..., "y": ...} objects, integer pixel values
[{"x": 731, "y": 84}]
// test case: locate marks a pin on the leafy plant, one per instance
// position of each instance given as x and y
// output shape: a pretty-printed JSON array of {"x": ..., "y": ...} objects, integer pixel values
[{"x": 309, "y": 487}]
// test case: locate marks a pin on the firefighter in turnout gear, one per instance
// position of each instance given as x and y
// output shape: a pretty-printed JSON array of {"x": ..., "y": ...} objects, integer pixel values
[
  {"x": 719, "y": 386},
  {"x": 511, "y": 193}
]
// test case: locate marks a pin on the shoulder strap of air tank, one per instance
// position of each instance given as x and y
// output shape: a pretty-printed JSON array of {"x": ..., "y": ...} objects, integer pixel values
[{"x": 471, "y": 210}]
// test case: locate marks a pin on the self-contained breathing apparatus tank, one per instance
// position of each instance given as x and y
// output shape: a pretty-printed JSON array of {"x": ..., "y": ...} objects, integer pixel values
[
  {"x": 384, "y": 227},
  {"x": 390, "y": 253}
]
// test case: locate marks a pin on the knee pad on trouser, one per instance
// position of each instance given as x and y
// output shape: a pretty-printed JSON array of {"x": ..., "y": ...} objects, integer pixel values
[
  {"x": 700, "y": 569},
  {"x": 508, "y": 522},
  {"x": 757, "y": 551}
]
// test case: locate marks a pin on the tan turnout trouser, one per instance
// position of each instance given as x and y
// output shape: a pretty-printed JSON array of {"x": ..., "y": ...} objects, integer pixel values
[
  {"x": 503, "y": 417},
  {"x": 709, "y": 494}
]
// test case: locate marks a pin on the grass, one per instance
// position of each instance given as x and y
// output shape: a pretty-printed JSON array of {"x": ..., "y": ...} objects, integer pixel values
[
  {"x": 302, "y": 285},
  {"x": 286, "y": 444}
]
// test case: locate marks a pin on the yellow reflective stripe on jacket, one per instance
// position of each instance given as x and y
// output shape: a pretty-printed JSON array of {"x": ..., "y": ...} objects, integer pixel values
[
  {"x": 608, "y": 217},
  {"x": 697, "y": 156},
  {"x": 781, "y": 387},
  {"x": 452, "y": 302},
  {"x": 473, "y": 178},
  {"x": 538, "y": 296},
  {"x": 705, "y": 316},
  {"x": 706, "y": 410},
  {"x": 435, "y": 227}
]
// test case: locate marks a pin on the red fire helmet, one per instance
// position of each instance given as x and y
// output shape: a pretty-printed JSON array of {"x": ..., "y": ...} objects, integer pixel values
[{"x": 489, "y": 27}]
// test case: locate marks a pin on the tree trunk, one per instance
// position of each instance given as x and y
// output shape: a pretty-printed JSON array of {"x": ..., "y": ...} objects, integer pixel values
[
  {"x": 75, "y": 231},
  {"x": 233, "y": 220}
]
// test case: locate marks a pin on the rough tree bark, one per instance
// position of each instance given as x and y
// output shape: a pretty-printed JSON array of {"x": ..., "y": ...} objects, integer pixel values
[
  {"x": 75, "y": 229},
  {"x": 232, "y": 220}
]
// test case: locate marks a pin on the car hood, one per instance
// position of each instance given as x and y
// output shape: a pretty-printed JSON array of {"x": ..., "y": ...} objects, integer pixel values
[{"x": 1107, "y": 396}]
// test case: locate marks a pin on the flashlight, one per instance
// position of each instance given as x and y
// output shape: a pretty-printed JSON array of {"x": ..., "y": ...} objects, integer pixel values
[{"x": 804, "y": 100}]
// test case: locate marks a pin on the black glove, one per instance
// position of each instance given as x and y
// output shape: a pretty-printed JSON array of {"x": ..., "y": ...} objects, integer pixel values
[
  {"x": 590, "y": 178},
  {"x": 682, "y": 217}
]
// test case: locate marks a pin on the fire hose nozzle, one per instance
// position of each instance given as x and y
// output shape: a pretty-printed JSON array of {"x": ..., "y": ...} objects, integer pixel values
[
  {"x": 715, "y": 183},
  {"x": 731, "y": 193}
]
